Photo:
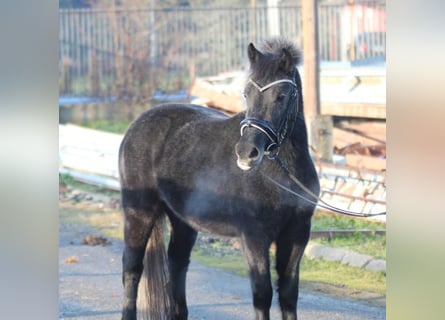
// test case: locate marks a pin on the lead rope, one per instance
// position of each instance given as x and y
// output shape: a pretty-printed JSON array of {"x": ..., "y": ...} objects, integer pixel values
[{"x": 318, "y": 202}]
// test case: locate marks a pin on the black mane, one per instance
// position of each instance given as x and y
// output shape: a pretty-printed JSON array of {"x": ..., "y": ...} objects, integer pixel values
[{"x": 272, "y": 50}]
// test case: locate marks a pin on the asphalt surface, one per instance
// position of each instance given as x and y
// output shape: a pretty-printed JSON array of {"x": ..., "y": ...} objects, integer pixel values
[{"x": 90, "y": 288}]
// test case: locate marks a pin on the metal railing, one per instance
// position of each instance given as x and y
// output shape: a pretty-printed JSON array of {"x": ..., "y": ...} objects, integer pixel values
[{"x": 127, "y": 52}]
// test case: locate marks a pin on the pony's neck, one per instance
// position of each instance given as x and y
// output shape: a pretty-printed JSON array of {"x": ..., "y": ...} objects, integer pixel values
[{"x": 298, "y": 137}]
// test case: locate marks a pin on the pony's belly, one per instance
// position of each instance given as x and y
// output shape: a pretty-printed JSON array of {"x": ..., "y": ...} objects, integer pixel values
[
  {"x": 206, "y": 211},
  {"x": 210, "y": 214},
  {"x": 213, "y": 227}
]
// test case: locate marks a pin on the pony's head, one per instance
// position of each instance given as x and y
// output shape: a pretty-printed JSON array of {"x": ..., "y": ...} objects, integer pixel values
[{"x": 272, "y": 93}]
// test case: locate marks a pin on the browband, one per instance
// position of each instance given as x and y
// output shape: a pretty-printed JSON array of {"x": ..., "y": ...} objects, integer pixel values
[{"x": 267, "y": 86}]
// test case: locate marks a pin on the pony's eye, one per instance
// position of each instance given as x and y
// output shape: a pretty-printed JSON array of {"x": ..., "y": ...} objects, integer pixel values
[{"x": 281, "y": 97}]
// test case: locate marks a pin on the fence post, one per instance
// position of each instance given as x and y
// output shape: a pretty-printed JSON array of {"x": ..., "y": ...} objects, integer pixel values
[
  {"x": 319, "y": 126},
  {"x": 273, "y": 17}
]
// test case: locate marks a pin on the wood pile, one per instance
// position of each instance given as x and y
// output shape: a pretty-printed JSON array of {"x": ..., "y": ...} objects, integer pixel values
[
  {"x": 352, "y": 188},
  {"x": 220, "y": 92},
  {"x": 359, "y": 184},
  {"x": 362, "y": 144}
]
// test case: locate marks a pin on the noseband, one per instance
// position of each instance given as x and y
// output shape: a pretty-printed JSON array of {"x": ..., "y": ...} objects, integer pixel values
[{"x": 275, "y": 137}]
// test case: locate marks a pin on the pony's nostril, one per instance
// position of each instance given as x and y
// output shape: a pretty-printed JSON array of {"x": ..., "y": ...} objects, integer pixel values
[{"x": 254, "y": 153}]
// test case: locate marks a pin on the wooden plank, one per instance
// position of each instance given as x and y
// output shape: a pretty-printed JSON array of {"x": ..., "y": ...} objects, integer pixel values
[
  {"x": 93, "y": 179},
  {"x": 367, "y": 162},
  {"x": 343, "y": 138},
  {"x": 216, "y": 97},
  {"x": 89, "y": 151},
  {"x": 352, "y": 197},
  {"x": 355, "y": 109},
  {"x": 350, "y": 172},
  {"x": 372, "y": 129}
]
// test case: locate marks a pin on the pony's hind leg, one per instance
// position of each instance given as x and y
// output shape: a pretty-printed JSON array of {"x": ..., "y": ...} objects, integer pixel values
[
  {"x": 182, "y": 240},
  {"x": 290, "y": 247},
  {"x": 138, "y": 223}
]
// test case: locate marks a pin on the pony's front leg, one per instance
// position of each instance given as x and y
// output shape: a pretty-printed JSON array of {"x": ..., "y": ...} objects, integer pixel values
[
  {"x": 181, "y": 243},
  {"x": 290, "y": 247},
  {"x": 256, "y": 252}
]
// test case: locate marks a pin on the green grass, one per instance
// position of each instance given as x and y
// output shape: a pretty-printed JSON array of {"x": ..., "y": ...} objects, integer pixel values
[
  {"x": 315, "y": 270},
  {"x": 70, "y": 181},
  {"x": 318, "y": 270},
  {"x": 329, "y": 221},
  {"x": 233, "y": 263},
  {"x": 374, "y": 245},
  {"x": 371, "y": 244}
]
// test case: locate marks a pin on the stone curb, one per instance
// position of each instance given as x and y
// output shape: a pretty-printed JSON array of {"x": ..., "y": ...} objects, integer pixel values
[{"x": 344, "y": 256}]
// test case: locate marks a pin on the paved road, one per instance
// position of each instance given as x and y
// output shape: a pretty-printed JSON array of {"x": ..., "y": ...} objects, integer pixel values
[{"x": 91, "y": 288}]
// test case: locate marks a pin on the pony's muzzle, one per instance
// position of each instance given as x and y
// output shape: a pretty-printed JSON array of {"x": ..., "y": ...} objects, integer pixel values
[{"x": 248, "y": 155}]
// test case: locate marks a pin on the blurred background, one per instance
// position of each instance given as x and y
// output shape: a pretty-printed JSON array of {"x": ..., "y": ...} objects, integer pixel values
[
  {"x": 119, "y": 58},
  {"x": 30, "y": 92},
  {"x": 135, "y": 53}
]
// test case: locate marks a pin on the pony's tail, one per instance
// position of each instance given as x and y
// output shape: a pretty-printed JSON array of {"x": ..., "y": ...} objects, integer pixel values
[{"x": 155, "y": 295}]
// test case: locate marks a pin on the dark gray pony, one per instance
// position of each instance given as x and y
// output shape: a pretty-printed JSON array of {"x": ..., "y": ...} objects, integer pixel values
[{"x": 208, "y": 172}]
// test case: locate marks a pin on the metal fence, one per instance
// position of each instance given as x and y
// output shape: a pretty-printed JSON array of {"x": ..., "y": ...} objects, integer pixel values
[{"x": 126, "y": 52}]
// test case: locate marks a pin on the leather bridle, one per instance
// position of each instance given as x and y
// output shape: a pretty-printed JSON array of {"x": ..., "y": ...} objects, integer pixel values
[{"x": 277, "y": 136}]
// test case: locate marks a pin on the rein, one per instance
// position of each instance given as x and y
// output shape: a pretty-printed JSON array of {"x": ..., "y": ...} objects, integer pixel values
[{"x": 317, "y": 200}]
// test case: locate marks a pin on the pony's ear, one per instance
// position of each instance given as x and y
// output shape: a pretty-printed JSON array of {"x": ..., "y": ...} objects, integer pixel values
[
  {"x": 253, "y": 53},
  {"x": 286, "y": 63}
]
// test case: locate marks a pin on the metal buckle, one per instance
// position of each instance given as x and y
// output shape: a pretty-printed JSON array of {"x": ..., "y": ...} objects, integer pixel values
[{"x": 272, "y": 151}]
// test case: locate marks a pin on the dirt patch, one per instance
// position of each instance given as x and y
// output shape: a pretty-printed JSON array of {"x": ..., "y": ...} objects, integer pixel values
[
  {"x": 91, "y": 240},
  {"x": 100, "y": 212}
]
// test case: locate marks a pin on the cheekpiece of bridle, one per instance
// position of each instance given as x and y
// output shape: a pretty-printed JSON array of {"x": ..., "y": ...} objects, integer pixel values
[{"x": 275, "y": 137}]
